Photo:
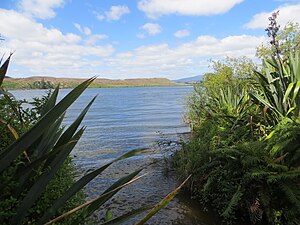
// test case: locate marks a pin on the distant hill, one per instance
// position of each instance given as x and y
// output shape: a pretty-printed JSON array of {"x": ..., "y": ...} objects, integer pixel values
[
  {"x": 193, "y": 79},
  {"x": 41, "y": 82}
]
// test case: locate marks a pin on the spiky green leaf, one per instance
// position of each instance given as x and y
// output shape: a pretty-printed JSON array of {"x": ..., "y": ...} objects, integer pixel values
[
  {"x": 3, "y": 69},
  {"x": 39, "y": 186},
  {"x": 80, "y": 184},
  {"x": 12, "y": 152}
]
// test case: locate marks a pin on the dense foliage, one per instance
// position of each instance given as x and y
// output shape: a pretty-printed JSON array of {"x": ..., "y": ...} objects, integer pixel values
[
  {"x": 245, "y": 150},
  {"x": 17, "y": 116}
]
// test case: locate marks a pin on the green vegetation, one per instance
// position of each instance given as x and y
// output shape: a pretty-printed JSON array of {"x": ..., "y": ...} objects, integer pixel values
[{"x": 245, "y": 152}]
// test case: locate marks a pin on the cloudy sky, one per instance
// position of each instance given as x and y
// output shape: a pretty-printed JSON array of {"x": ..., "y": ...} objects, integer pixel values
[{"x": 120, "y": 39}]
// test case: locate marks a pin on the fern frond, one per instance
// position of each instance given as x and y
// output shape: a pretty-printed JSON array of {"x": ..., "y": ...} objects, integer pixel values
[
  {"x": 250, "y": 160},
  {"x": 284, "y": 176},
  {"x": 233, "y": 202},
  {"x": 277, "y": 167},
  {"x": 260, "y": 174},
  {"x": 209, "y": 182},
  {"x": 292, "y": 193}
]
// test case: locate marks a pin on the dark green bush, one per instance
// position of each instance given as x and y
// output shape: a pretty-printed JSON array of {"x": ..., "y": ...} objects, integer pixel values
[
  {"x": 19, "y": 118},
  {"x": 245, "y": 180}
]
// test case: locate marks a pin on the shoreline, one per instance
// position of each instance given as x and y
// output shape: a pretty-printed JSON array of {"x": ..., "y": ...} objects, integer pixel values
[
  {"x": 113, "y": 86},
  {"x": 51, "y": 82}
]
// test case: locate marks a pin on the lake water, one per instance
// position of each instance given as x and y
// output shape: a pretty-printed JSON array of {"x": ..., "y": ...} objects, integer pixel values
[{"x": 122, "y": 119}]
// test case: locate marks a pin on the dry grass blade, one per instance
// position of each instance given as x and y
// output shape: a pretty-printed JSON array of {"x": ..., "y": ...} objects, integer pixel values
[
  {"x": 11, "y": 129},
  {"x": 93, "y": 200},
  {"x": 163, "y": 202},
  {"x": 15, "y": 135}
]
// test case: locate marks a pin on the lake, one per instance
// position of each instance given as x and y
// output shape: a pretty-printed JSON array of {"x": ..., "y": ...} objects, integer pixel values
[{"x": 122, "y": 119}]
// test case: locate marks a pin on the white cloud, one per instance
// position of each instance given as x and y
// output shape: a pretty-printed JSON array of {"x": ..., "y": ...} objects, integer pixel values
[
  {"x": 157, "y": 8},
  {"x": 91, "y": 38},
  {"x": 84, "y": 30},
  {"x": 44, "y": 51},
  {"x": 115, "y": 13},
  {"x": 152, "y": 28},
  {"x": 100, "y": 16},
  {"x": 94, "y": 38},
  {"x": 182, "y": 33},
  {"x": 287, "y": 13},
  {"x": 49, "y": 52},
  {"x": 17, "y": 26},
  {"x": 190, "y": 58},
  {"x": 42, "y": 9}
]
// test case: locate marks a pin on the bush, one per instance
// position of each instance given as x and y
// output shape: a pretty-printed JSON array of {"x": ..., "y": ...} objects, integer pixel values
[
  {"x": 245, "y": 152},
  {"x": 16, "y": 119},
  {"x": 244, "y": 180}
]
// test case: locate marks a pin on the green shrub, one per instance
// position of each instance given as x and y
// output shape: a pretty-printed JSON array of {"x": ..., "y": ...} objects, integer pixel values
[
  {"x": 15, "y": 117},
  {"x": 244, "y": 154},
  {"x": 244, "y": 180}
]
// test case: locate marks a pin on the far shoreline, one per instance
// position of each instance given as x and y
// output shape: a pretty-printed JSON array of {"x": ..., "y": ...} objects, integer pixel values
[
  {"x": 106, "y": 87},
  {"x": 32, "y": 83}
]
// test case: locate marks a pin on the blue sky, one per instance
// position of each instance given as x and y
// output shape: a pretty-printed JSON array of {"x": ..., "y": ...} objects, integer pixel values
[{"x": 121, "y": 39}]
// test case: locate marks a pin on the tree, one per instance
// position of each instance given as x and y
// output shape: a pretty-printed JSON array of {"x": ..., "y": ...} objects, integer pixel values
[{"x": 232, "y": 71}]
